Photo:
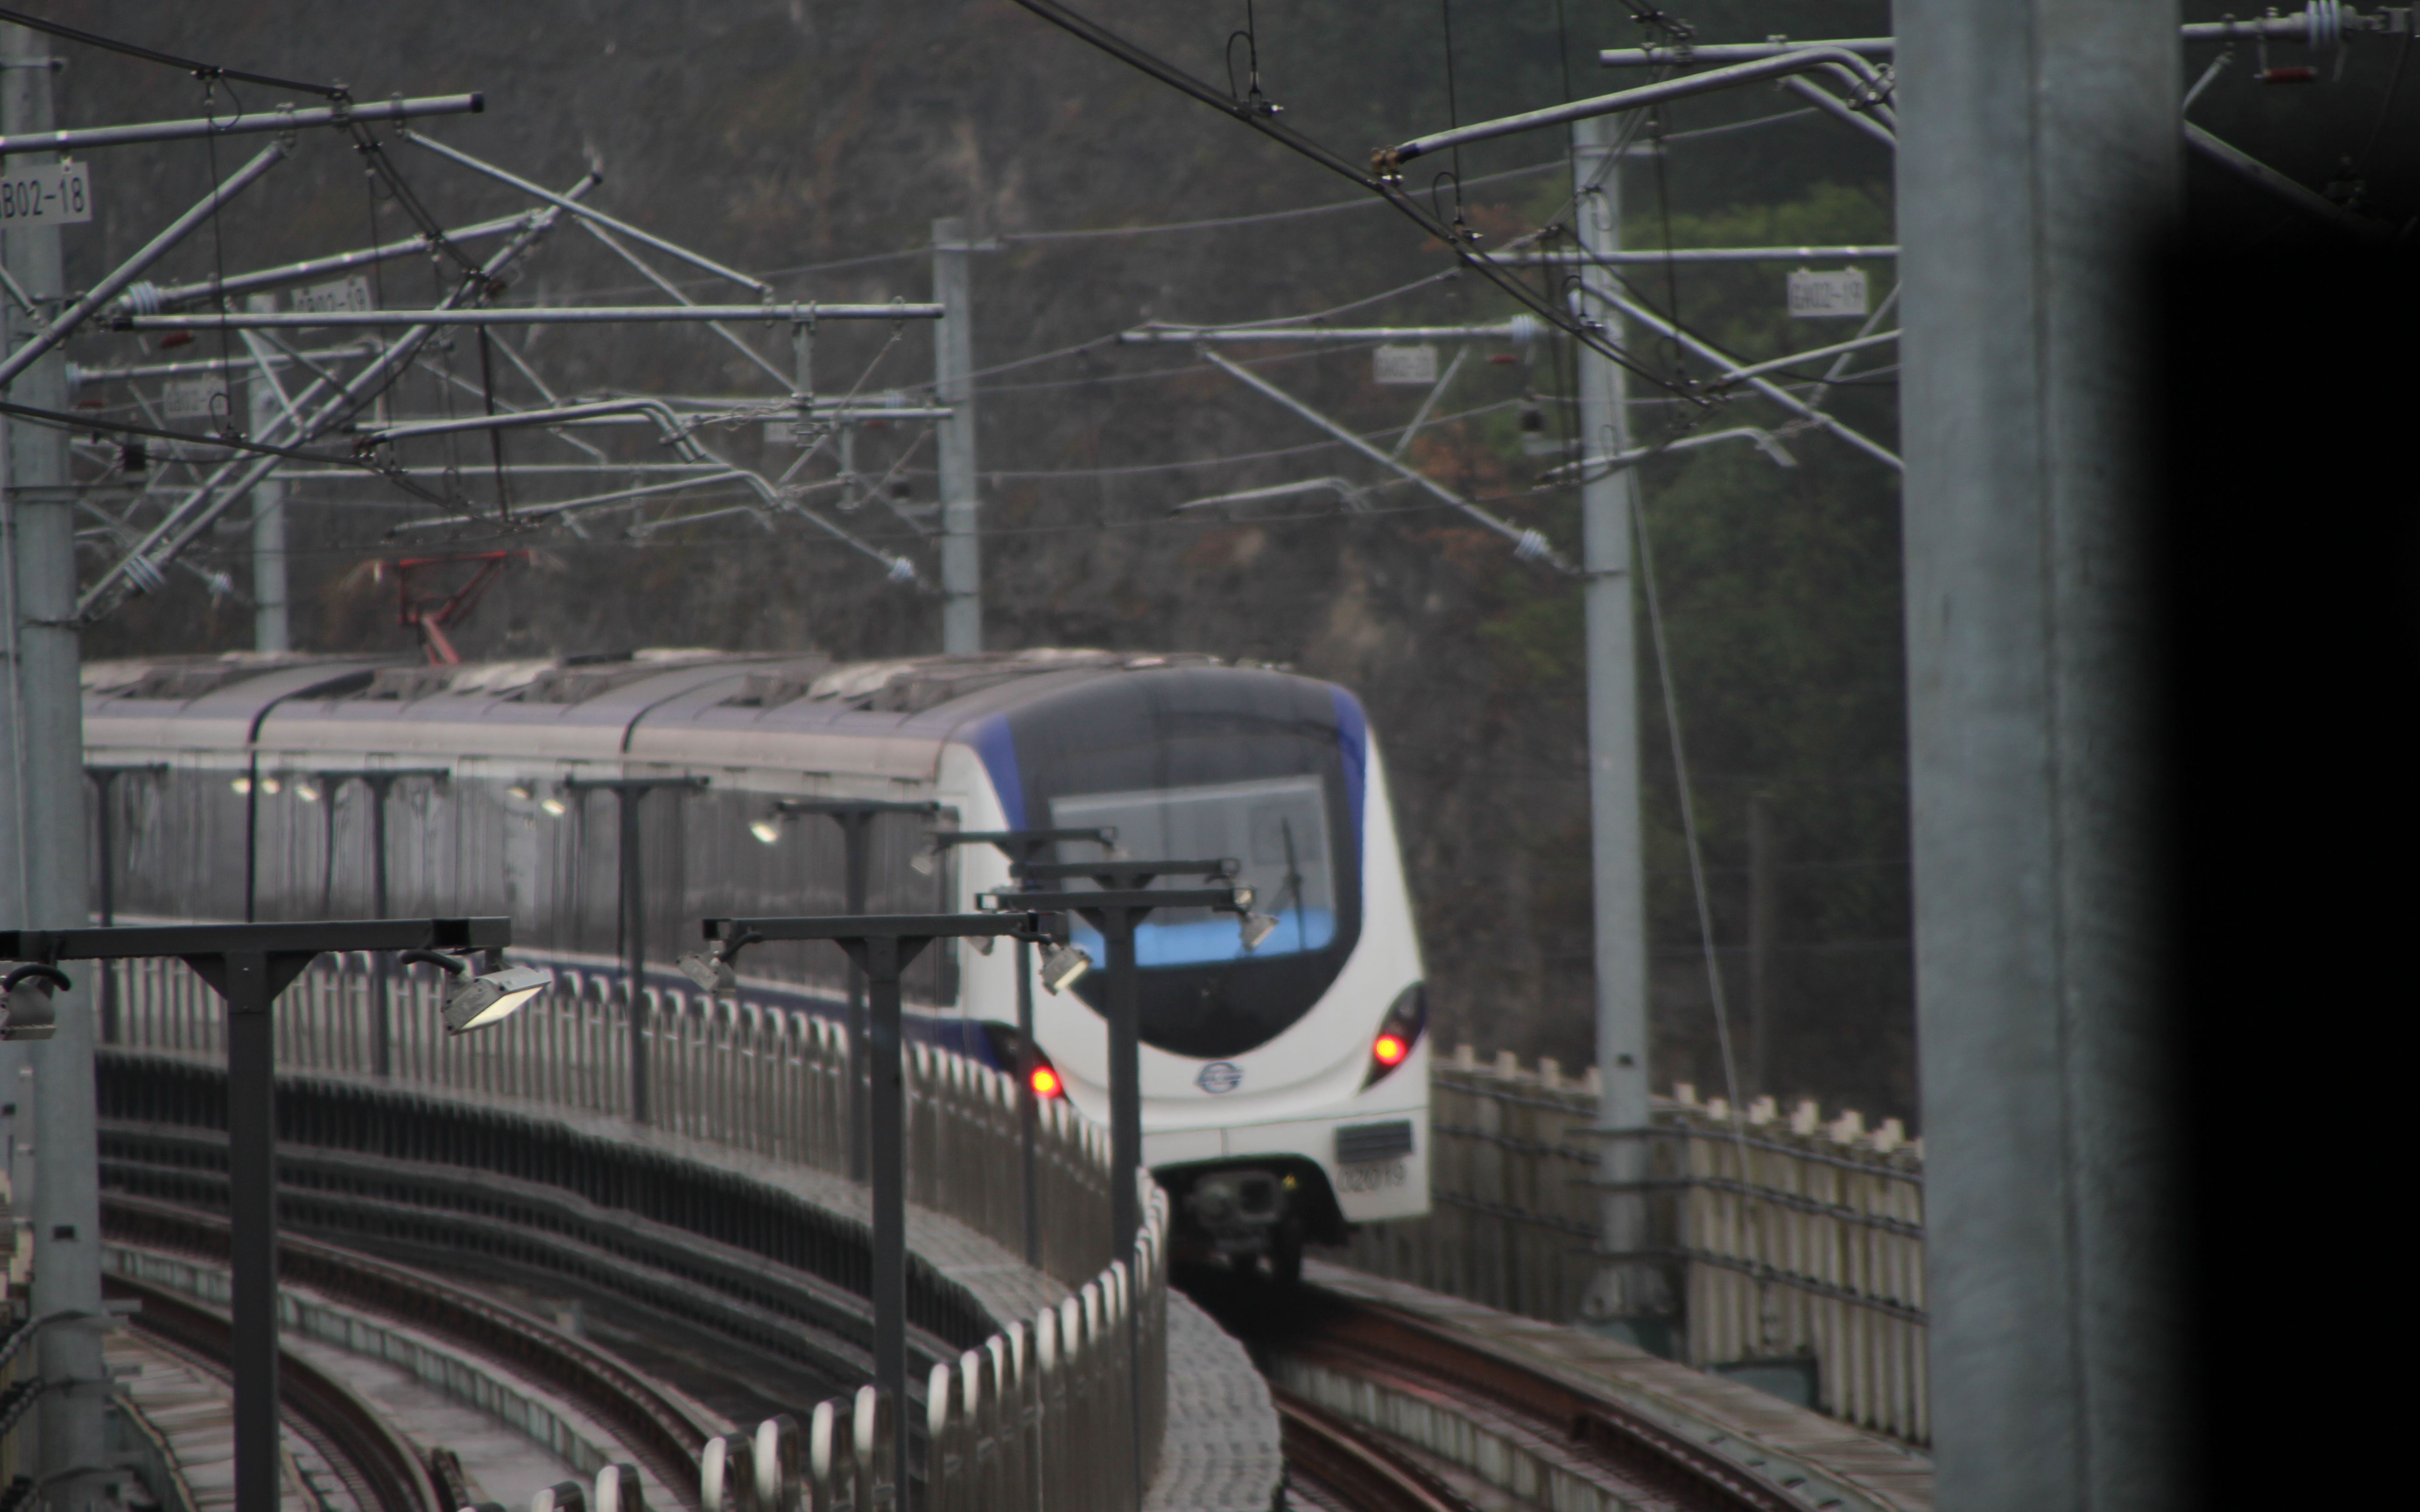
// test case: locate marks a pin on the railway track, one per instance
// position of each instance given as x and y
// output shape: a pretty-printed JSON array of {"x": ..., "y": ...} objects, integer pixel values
[
  {"x": 1340, "y": 1468},
  {"x": 658, "y": 1431},
  {"x": 377, "y": 1466},
  {"x": 1305, "y": 1334}
]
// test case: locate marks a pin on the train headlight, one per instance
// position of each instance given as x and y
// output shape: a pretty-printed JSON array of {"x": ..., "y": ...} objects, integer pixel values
[{"x": 1398, "y": 1032}]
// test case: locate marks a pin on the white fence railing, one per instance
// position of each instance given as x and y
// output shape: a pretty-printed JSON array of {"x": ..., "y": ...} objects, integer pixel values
[
  {"x": 1795, "y": 1241},
  {"x": 1018, "y": 1423}
]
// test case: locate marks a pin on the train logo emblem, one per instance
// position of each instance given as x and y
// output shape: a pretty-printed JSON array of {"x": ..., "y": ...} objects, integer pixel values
[{"x": 1219, "y": 1076}]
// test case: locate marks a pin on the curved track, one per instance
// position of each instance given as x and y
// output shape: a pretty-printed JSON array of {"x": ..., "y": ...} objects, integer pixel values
[
  {"x": 1348, "y": 1469},
  {"x": 1628, "y": 1457},
  {"x": 377, "y": 1466},
  {"x": 658, "y": 1431}
]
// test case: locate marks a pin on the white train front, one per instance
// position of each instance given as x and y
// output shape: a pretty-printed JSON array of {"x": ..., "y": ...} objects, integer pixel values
[{"x": 1284, "y": 1086}]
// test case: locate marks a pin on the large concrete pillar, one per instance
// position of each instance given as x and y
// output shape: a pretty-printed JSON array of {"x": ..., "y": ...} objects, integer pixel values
[{"x": 2039, "y": 165}]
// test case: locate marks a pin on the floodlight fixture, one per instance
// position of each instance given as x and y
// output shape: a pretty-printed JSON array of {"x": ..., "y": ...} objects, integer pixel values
[
  {"x": 488, "y": 998},
  {"x": 1062, "y": 967},
  {"x": 241, "y": 785},
  {"x": 306, "y": 790},
  {"x": 518, "y": 793},
  {"x": 555, "y": 807},
  {"x": 29, "y": 1013},
  {"x": 765, "y": 831},
  {"x": 270, "y": 785},
  {"x": 712, "y": 973}
]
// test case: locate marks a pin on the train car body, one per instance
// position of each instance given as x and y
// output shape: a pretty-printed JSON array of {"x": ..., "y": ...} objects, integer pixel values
[{"x": 1284, "y": 1086}]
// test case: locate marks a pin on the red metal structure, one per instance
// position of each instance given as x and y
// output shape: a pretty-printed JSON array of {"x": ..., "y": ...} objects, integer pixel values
[{"x": 429, "y": 611}]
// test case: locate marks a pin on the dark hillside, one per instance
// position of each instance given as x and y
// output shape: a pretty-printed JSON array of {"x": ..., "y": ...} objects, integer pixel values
[{"x": 780, "y": 136}]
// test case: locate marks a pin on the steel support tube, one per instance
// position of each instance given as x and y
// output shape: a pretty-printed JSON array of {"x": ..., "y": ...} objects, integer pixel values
[
  {"x": 1833, "y": 106},
  {"x": 1530, "y": 541},
  {"x": 256, "y": 121},
  {"x": 601, "y": 315},
  {"x": 268, "y": 278},
  {"x": 126, "y": 273},
  {"x": 1696, "y": 53},
  {"x": 1797, "y": 60},
  {"x": 1687, "y": 255},
  {"x": 165, "y": 540},
  {"x": 563, "y": 202},
  {"x": 1838, "y": 348},
  {"x": 1520, "y": 328},
  {"x": 1765, "y": 386},
  {"x": 2243, "y": 165}
]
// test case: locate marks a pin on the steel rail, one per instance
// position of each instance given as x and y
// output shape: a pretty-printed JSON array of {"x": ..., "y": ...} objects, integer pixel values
[
  {"x": 276, "y": 120},
  {"x": 380, "y": 1469},
  {"x": 661, "y": 1432},
  {"x": 1358, "y": 1469}
]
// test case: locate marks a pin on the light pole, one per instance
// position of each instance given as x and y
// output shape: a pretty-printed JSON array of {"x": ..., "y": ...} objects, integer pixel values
[
  {"x": 248, "y": 965},
  {"x": 104, "y": 781},
  {"x": 855, "y": 818},
  {"x": 381, "y": 785},
  {"x": 629, "y": 793},
  {"x": 882, "y": 947},
  {"x": 1023, "y": 847},
  {"x": 1125, "y": 898}
]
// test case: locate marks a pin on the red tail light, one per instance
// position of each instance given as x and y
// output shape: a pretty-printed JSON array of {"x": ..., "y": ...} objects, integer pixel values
[
  {"x": 1398, "y": 1032},
  {"x": 1044, "y": 1080}
]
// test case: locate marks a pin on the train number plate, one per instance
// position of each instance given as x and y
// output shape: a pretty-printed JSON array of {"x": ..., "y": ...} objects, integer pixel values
[{"x": 1377, "y": 1175}]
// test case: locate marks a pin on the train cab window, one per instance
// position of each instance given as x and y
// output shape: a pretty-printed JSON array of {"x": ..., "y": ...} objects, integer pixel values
[{"x": 1276, "y": 829}]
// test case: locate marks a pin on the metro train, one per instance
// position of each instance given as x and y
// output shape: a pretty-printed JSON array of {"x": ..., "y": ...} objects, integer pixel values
[{"x": 1284, "y": 1085}]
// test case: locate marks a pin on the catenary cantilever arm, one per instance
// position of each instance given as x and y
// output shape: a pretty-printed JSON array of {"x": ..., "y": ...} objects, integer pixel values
[
  {"x": 1797, "y": 61},
  {"x": 126, "y": 273},
  {"x": 1529, "y": 543}
]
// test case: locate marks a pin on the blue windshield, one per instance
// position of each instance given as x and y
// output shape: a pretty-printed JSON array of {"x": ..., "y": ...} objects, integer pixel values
[{"x": 1276, "y": 832}]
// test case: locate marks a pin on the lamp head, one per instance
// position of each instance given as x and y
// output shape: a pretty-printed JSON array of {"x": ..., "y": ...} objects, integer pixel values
[
  {"x": 1062, "y": 969},
  {"x": 1254, "y": 928},
  {"x": 482, "y": 1001},
  {"x": 28, "y": 1012},
  {"x": 711, "y": 973}
]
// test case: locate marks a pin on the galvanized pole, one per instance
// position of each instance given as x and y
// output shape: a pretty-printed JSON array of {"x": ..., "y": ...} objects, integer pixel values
[
  {"x": 1633, "y": 1294},
  {"x": 270, "y": 630},
  {"x": 2040, "y": 168},
  {"x": 954, "y": 364},
  {"x": 42, "y": 855},
  {"x": 1759, "y": 943}
]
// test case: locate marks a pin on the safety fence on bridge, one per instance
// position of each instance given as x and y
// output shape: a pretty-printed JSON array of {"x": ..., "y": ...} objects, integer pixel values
[
  {"x": 1797, "y": 1243},
  {"x": 1014, "y": 1422}
]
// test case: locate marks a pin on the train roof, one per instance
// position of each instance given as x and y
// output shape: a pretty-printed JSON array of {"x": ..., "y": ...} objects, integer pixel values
[{"x": 673, "y": 704}]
